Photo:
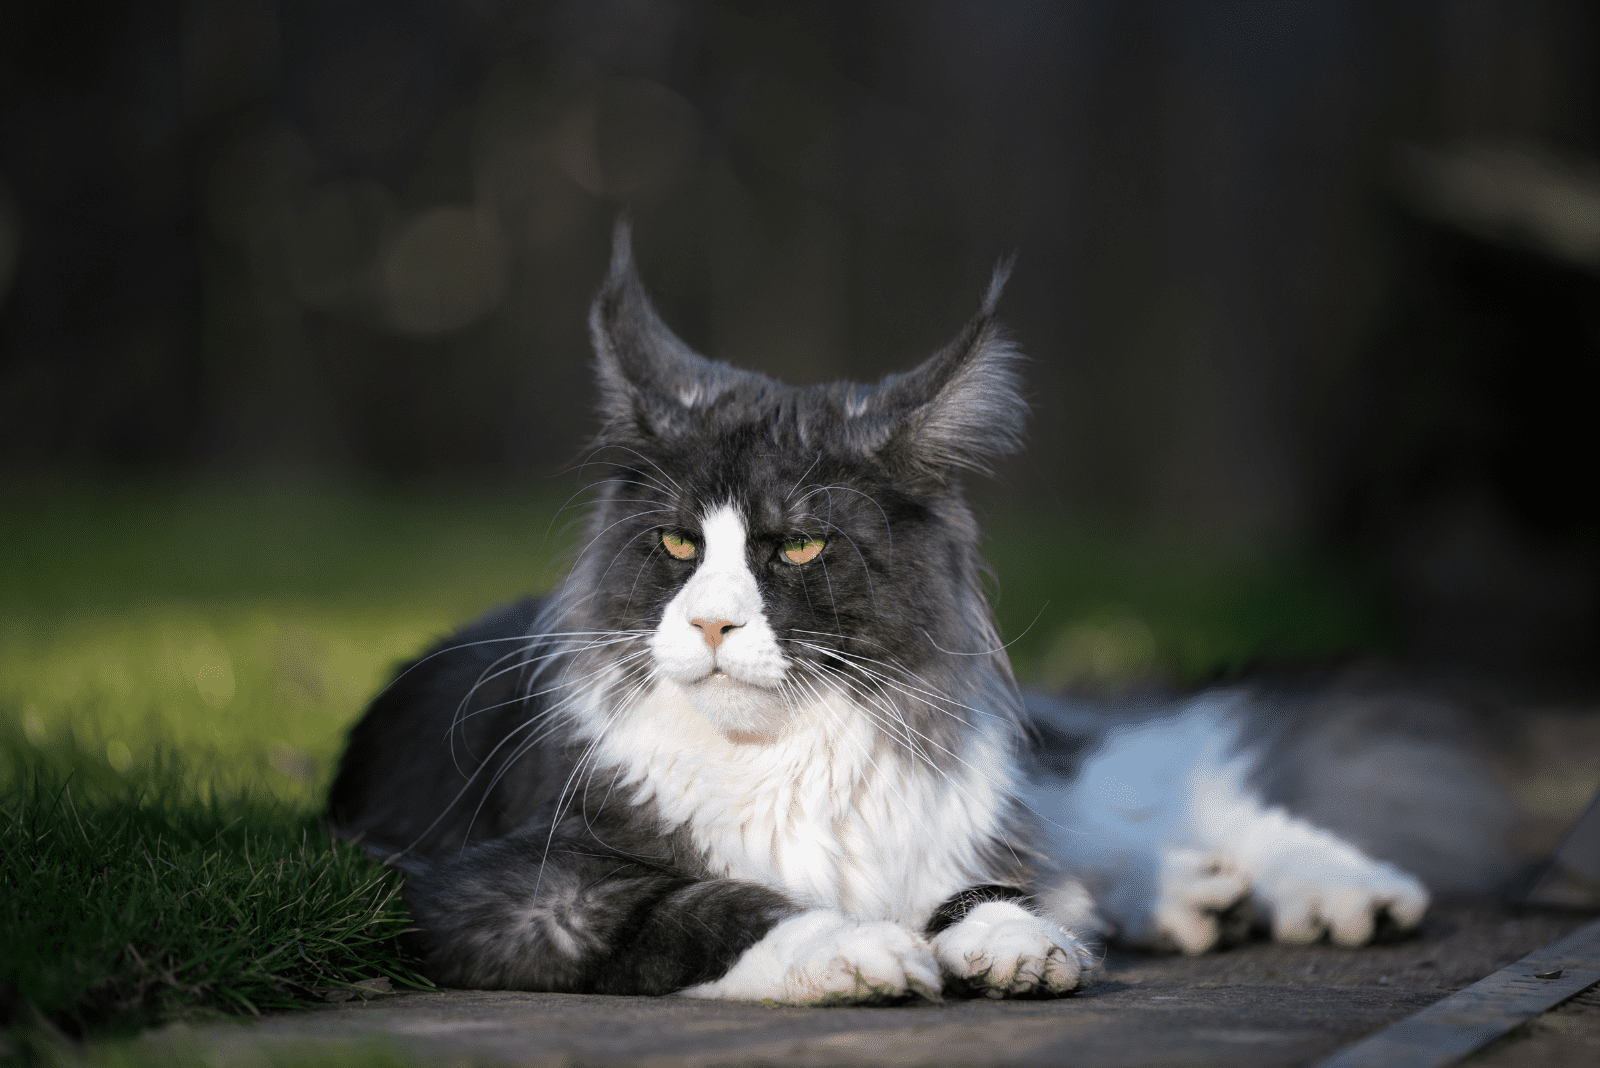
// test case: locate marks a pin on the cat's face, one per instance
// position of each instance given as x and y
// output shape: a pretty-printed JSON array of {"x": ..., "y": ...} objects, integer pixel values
[
  {"x": 767, "y": 544},
  {"x": 764, "y": 575}
]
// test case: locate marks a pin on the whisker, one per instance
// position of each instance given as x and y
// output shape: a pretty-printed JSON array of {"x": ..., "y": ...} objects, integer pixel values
[
  {"x": 833, "y": 603},
  {"x": 620, "y": 549},
  {"x": 859, "y": 661},
  {"x": 590, "y": 461},
  {"x": 551, "y": 689},
  {"x": 1003, "y": 787},
  {"x": 452, "y": 649},
  {"x": 643, "y": 457},
  {"x": 621, "y": 707},
  {"x": 887, "y": 529},
  {"x": 485, "y": 677},
  {"x": 866, "y": 753},
  {"x": 522, "y": 749},
  {"x": 602, "y": 533},
  {"x": 601, "y": 482},
  {"x": 997, "y": 649},
  {"x": 803, "y": 474},
  {"x": 867, "y": 571}
]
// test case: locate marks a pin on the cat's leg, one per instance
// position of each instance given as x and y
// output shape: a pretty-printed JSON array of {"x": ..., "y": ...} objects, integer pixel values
[
  {"x": 987, "y": 942},
  {"x": 534, "y": 913},
  {"x": 518, "y": 914},
  {"x": 1306, "y": 882},
  {"x": 822, "y": 957},
  {"x": 1163, "y": 824},
  {"x": 1121, "y": 827}
]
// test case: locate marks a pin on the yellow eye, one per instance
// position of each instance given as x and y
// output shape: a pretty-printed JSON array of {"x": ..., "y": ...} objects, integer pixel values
[
  {"x": 678, "y": 545},
  {"x": 802, "y": 550}
]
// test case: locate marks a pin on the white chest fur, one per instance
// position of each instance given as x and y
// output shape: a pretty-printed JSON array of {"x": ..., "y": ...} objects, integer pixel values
[{"x": 828, "y": 811}]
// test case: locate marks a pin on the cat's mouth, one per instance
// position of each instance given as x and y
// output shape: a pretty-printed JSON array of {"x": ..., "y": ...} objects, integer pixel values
[
  {"x": 719, "y": 679},
  {"x": 744, "y": 709}
]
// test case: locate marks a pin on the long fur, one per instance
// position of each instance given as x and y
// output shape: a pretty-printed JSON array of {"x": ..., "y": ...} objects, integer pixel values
[{"x": 764, "y": 740}]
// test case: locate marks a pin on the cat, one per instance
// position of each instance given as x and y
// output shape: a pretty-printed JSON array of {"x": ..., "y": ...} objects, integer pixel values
[{"x": 764, "y": 742}]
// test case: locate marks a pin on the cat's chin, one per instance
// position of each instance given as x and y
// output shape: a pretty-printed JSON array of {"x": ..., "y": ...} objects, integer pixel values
[{"x": 743, "y": 711}]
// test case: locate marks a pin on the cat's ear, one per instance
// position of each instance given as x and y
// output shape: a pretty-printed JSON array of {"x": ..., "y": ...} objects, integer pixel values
[
  {"x": 963, "y": 407},
  {"x": 649, "y": 380}
]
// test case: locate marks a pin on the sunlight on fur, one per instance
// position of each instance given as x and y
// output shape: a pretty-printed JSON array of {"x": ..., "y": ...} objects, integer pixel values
[{"x": 764, "y": 741}]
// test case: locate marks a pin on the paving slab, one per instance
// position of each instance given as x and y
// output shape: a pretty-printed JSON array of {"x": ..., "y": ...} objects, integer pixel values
[{"x": 1255, "y": 1005}]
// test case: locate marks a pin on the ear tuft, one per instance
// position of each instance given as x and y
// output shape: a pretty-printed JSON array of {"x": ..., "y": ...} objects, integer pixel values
[
  {"x": 963, "y": 407},
  {"x": 648, "y": 378},
  {"x": 997, "y": 283}
]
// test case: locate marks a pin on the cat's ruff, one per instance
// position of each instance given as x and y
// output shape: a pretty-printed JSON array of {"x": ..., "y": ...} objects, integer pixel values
[
  {"x": 764, "y": 741},
  {"x": 818, "y": 805}
]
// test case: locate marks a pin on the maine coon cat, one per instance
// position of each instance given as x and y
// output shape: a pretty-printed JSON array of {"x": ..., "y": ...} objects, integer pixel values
[{"x": 765, "y": 742}]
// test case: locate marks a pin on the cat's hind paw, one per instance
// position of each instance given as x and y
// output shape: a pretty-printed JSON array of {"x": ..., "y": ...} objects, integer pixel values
[
  {"x": 822, "y": 957},
  {"x": 1342, "y": 894},
  {"x": 1202, "y": 900},
  {"x": 1002, "y": 950}
]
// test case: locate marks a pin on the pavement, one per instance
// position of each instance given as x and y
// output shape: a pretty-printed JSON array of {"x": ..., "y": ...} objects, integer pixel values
[{"x": 1258, "y": 1004}]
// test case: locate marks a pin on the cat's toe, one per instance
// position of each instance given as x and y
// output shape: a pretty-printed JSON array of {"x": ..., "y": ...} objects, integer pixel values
[
  {"x": 822, "y": 957},
  {"x": 1202, "y": 900},
  {"x": 999, "y": 949},
  {"x": 1346, "y": 902}
]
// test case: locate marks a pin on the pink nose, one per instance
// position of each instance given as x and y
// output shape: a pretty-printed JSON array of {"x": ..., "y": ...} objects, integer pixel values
[{"x": 714, "y": 629}]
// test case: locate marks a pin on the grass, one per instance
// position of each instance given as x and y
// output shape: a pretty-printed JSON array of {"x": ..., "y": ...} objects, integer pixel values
[
  {"x": 1094, "y": 606},
  {"x": 177, "y": 670},
  {"x": 178, "y": 667},
  {"x": 146, "y": 900}
]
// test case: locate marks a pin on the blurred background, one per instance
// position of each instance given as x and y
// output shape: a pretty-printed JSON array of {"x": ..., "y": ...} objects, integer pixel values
[
  {"x": 1310, "y": 292},
  {"x": 294, "y": 373}
]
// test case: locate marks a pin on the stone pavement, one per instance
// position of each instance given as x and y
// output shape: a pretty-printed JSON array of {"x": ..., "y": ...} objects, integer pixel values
[{"x": 1256, "y": 1005}]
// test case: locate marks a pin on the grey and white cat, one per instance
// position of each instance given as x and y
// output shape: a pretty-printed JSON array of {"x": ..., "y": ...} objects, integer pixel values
[{"x": 764, "y": 741}]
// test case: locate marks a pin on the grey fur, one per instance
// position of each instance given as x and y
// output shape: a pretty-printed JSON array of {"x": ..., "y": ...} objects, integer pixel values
[{"x": 530, "y": 869}]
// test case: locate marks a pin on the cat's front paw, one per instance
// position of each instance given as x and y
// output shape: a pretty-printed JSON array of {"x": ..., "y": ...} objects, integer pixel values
[
  {"x": 822, "y": 957},
  {"x": 1002, "y": 950},
  {"x": 1341, "y": 892},
  {"x": 1202, "y": 900}
]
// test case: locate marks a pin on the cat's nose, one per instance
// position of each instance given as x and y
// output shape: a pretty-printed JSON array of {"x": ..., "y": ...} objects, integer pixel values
[{"x": 714, "y": 629}]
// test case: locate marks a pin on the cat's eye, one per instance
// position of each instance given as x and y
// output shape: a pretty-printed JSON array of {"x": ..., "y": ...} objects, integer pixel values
[
  {"x": 801, "y": 550},
  {"x": 678, "y": 545}
]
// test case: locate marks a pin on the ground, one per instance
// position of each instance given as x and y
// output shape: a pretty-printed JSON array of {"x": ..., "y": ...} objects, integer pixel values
[{"x": 1256, "y": 1005}]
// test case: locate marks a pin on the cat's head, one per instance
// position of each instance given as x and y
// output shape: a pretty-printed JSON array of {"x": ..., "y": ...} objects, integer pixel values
[{"x": 769, "y": 543}]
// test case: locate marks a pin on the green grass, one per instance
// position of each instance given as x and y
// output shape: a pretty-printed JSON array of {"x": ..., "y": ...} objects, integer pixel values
[
  {"x": 178, "y": 668},
  {"x": 1093, "y": 606},
  {"x": 131, "y": 902}
]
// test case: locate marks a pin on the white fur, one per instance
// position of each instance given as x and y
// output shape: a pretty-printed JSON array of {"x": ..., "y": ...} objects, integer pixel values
[
  {"x": 1003, "y": 949},
  {"x": 796, "y": 788},
  {"x": 734, "y": 684},
  {"x": 1304, "y": 880},
  {"x": 823, "y": 957},
  {"x": 1164, "y": 827},
  {"x": 816, "y": 802},
  {"x": 826, "y": 811}
]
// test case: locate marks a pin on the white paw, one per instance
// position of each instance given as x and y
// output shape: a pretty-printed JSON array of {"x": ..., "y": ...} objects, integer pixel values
[
  {"x": 1004, "y": 950},
  {"x": 822, "y": 957},
  {"x": 1195, "y": 891},
  {"x": 1307, "y": 892}
]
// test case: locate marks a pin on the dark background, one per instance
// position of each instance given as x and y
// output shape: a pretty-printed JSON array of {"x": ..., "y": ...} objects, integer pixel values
[{"x": 1319, "y": 274}]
